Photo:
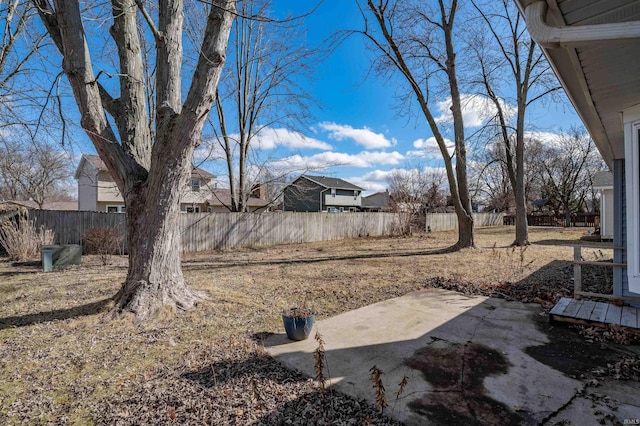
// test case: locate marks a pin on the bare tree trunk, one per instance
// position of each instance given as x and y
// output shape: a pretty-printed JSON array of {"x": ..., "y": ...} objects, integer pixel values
[
  {"x": 465, "y": 232},
  {"x": 228, "y": 151},
  {"x": 464, "y": 209},
  {"x": 394, "y": 50},
  {"x": 531, "y": 79},
  {"x": 154, "y": 278},
  {"x": 242, "y": 173},
  {"x": 522, "y": 226},
  {"x": 151, "y": 174}
]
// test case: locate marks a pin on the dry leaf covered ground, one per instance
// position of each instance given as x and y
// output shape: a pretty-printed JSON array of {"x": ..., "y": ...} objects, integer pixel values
[{"x": 60, "y": 363}]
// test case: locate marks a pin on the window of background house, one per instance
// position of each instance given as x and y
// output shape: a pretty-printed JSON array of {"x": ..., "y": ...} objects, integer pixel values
[
  {"x": 333, "y": 192},
  {"x": 195, "y": 185}
]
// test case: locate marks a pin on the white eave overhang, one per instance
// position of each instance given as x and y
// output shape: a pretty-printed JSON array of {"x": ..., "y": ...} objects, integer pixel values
[{"x": 593, "y": 60}]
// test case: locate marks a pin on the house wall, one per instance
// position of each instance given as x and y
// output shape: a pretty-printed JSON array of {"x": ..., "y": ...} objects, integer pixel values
[
  {"x": 223, "y": 209},
  {"x": 341, "y": 200},
  {"x": 606, "y": 213},
  {"x": 101, "y": 206},
  {"x": 620, "y": 278},
  {"x": 631, "y": 122},
  {"x": 619, "y": 226},
  {"x": 302, "y": 196},
  {"x": 188, "y": 196},
  {"x": 203, "y": 207},
  {"x": 87, "y": 193},
  {"x": 108, "y": 191}
]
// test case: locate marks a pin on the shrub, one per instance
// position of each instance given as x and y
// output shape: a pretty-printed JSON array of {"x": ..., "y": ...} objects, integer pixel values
[
  {"x": 21, "y": 240},
  {"x": 103, "y": 241}
]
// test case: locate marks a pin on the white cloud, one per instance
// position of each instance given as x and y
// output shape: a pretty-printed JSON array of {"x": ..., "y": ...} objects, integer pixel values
[
  {"x": 267, "y": 139},
  {"x": 270, "y": 138},
  {"x": 324, "y": 160},
  {"x": 364, "y": 136},
  {"x": 209, "y": 150},
  {"x": 376, "y": 180},
  {"x": 476, "y": 110},
  {"x": 370, "y": 187},
  {"x": 428, "y": 148},
  {"x": 546, "y": 138},
  {"x": 390, "y": 158}
]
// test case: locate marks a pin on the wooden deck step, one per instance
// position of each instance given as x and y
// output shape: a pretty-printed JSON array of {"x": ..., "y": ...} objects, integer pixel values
[{"x": 589, "y": 312}]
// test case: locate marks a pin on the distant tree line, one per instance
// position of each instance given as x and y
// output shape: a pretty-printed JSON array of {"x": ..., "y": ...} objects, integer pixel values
[{"x": 558, "y": 179}]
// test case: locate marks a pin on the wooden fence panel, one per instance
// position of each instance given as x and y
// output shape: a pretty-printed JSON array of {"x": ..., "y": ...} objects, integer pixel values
[
  {"x": 70, "y": 226},
  {"x": 219, "y": 231},
  {"x": 449, "y": 221}
]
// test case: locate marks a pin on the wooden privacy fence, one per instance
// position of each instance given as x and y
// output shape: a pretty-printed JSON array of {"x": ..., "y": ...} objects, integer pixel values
[
  {"x": 215, "y": 231},
  {"x": 581, "y": 219},
  {"x": 449, "y": 221}
]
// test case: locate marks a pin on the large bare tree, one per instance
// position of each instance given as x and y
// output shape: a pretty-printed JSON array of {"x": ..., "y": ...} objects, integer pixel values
[
  {"x": 150, "y": 166},
  {"x": 567, "y": 168},
  {"x": 510, "y": 62},
  {"x": 19, "y": 44},
  {"x": 33, "y": 170},
  {"x": 418, "y": 41},
  {"x": 261, "y": 88},
  {"x": 414, "y": 191}
]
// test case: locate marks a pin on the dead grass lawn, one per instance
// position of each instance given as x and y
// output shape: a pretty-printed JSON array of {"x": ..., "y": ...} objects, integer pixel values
[{"x": 59, "y": 362}]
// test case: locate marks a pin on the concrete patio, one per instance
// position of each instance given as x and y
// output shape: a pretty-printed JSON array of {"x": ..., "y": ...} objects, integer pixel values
[{"x": 465, "y": 359}]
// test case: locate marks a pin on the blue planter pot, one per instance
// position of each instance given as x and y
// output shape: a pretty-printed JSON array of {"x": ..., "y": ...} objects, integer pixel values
[{"x": 298, "y": 328}]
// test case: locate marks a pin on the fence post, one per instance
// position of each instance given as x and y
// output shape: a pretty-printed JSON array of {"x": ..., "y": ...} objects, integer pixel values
[{"x": 577, "y": 271}]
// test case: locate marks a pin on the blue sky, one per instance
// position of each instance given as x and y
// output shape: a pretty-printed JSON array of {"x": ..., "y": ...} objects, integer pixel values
[{"x": 354, "y": 122}]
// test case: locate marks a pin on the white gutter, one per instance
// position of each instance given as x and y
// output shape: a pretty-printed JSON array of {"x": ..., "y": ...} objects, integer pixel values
[{"x": 549, "y": 36}]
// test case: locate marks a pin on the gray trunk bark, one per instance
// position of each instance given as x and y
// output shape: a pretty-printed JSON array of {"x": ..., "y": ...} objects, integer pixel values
[
  {"x": 150, "y": 174},
  {"x": 154, "y": 278}
]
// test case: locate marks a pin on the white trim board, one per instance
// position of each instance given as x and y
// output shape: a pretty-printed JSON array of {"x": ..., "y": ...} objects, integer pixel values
[{"x": 631, "y": 120}]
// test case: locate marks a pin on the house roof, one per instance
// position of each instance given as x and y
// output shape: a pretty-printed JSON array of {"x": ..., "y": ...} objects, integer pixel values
[
  {"x": 601, "y": 78},
  {"x": 48, "y": 205},
  {"x": 101, "y": 167},
  {"x": 222, "y": 197},
  {"x": 379, "y": 199},
  {"x": 603, "y": 180},
  {"x": 331, "y": 182}
]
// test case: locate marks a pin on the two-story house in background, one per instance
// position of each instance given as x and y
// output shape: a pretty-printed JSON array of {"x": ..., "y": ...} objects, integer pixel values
[
  {"x": 97, "y": 191},
  {"x": 321, "y": 193}
]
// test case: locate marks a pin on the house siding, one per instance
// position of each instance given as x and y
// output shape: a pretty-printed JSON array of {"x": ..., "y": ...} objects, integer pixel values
[
  {"x": 108, "y": 191},
  {"x": 607, "y": 212},
  {"x": 306, "y": 195},
  {"x": 341, "y": 200},
  {"x": 302, "y": 196},
  {"x": 87, "y": 200},
  {"x": 619, "y": 226},
  {"x": 620, "y": 277},
  {"x": 102, "y": 205}
]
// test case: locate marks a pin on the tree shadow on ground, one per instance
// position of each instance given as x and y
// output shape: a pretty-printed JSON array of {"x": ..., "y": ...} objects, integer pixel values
[
  {"x": 571, "y": 242},
  {"x": 16, "y": 273},
  {"x": 193, "y": 265},
  {"x": 257, "y": 366},
  {"x": 58, "y": 314},
  {"x": 271, "y": 385},
  {"x": 543, "y": 286}
]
